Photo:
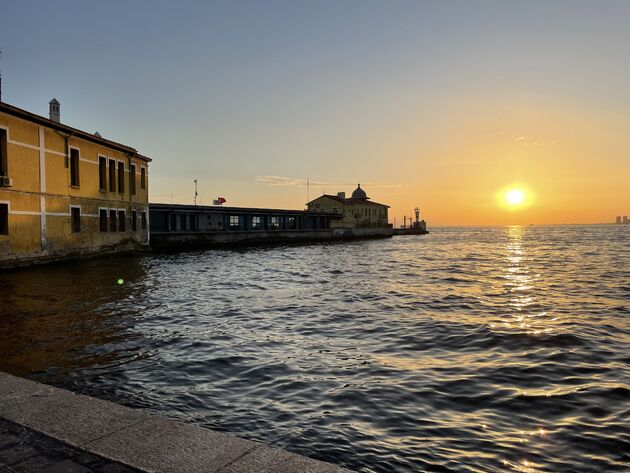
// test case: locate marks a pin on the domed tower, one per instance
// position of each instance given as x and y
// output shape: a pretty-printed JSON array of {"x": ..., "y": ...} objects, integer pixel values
[{"x": 359, "y": 193}]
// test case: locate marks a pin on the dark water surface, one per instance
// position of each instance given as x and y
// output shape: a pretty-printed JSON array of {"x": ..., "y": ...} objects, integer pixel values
[{"x": 466, "y": 350}]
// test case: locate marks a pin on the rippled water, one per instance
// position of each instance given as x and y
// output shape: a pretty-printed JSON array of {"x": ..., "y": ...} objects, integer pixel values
[{"x": 466, "y": 350}]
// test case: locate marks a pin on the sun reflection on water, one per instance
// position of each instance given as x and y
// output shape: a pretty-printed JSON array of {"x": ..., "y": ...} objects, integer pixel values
[{"x": 520, "y": 285}]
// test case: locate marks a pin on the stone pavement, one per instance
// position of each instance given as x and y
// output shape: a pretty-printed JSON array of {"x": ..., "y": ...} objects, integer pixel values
[
  {"x": 25, "y": 451},
  {"x": 47, "y": 429}
]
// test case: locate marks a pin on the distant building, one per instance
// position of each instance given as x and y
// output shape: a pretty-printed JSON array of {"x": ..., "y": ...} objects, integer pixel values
[
  {"x": 618, "y": 219},
  {"x": 64, "y": 191},
  {"x": 625, "y": 219},
  {"x": 357, "y": 211}
]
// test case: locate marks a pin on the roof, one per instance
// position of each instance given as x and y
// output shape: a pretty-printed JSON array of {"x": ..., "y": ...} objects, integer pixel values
[
  {"x": 349, "y": 201},
  {"x": 224, "y": 209},
  {"x": 359, "y": 193},
  {"x": 26, "y": 115}
]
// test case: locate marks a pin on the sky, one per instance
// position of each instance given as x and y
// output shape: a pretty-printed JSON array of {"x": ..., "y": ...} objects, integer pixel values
[{"x": 441, "y": 105}]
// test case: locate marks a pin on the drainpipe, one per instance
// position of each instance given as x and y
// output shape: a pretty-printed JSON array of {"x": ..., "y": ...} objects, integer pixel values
[
  {"x": 129, "y": 156},
  {"x": 66, "y": 137}
]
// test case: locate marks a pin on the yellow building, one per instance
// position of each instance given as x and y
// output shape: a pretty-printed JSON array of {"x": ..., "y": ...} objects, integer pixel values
[
  {"x": 66, "y": 192},
  {"x": 358, "y": 211}
]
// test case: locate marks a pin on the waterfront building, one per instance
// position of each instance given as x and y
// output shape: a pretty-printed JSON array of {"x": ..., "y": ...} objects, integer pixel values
[
  {"x": 357, "y": 211},
  {"x": 66, "y": 192},
  {"x": 175, "y": 225}
]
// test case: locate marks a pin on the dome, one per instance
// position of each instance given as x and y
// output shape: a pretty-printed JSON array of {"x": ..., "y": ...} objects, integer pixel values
[{"x": 359, "y": 193}]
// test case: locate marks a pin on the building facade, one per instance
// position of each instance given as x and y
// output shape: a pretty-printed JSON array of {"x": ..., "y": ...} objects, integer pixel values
[
  {"x": 175, "y": 225},
  {"x": 66, "y": 192},
  {"x": 169, "y": 218},
  {"x": 357, "y": 211}
]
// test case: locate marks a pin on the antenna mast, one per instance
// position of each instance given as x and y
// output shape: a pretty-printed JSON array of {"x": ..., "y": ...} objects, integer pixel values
[
  {"x": 308, "y": 191},
  {"x": 196, "y": 194}
]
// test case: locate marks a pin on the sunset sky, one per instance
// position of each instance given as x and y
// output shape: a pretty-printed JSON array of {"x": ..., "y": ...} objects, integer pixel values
[{"x": 445, "y": 105}]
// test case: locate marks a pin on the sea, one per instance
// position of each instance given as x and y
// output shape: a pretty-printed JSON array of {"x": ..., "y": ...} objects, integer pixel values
[{"x": 476, "y": 349}]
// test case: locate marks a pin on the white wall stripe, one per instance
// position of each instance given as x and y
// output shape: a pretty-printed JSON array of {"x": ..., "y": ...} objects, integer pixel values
[
  {"x": 25, "y": 145},
  {"x": 23, "y": 212},
  {"x": 56, "y": 153},
  {"x": 49, "y": 214}
]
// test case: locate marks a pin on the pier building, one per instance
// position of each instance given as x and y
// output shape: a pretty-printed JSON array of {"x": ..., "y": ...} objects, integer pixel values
[
  {"x": 174, "y": 225},
  {"x": 357, "y": 211},
  {"x": 65, "y": 191}
]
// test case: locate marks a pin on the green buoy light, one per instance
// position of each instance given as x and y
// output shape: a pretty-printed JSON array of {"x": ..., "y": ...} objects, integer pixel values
[{"x": 121, "y": 281}]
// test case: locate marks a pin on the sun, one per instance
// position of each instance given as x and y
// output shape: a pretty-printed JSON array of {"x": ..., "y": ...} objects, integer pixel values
[{"x": 514, "y": 197}]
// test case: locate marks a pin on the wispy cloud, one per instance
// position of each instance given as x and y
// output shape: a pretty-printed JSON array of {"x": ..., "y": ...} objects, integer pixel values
[
  {"x": 290, "y": 181},
  {"x": 524, "y": 140}
]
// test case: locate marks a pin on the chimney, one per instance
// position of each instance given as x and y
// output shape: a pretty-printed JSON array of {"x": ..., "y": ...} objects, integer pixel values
[
  {"x": 341, "y": 195},
  {"x": 55, "y": 114}
]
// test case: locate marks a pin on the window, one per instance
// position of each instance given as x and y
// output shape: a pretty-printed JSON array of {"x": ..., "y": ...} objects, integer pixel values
[
  {"x": 183, "y": 226},
  {"x": 121, "y": 178},
  {"x": 143, "y": 178},
  {"x": 173, "y": 226},
  {"x": 132, "y": 179},
  {"x": 112, "y": 176},
  {"x": 75, "y": 218},
  {"x": 193, "y": 222},
  {"x": 74, "y": 167},
  {"x": 275, "y": 223},
  {"x": 134, "y": 221},
  {"x": 112, "y": 220},
  {"x": 256, "y": 223},
  {"x": 235, "y": 222},
  {"x": 4, "y": 219},
  {"x": 144, "y": 220},
  {"x": 102, "y": 173},
  {"x": 3, "y": 153},
  {"x": 291, "y": 223},
  {"x": 102, "y": 218},
  {"x": 121, "y": 220}
]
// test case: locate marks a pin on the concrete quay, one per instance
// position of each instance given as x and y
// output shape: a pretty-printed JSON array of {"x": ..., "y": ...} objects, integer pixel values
[{"x": 47, "y": 429}]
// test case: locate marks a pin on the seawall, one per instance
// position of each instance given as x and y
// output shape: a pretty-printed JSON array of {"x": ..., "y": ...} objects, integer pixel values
[
  {"x": 22, "y": 260},
  {"x": 410, "y": 231},
  {"x": 209, "y": 239}
]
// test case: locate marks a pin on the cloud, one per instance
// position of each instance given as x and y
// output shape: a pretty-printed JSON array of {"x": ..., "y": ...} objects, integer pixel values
[
  {"x": 293, "y": 182},
  {"x": 524, "y": 141}
]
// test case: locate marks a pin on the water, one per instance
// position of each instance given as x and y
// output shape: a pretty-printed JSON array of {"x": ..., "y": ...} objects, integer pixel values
[{"x": 466, "y": 350}]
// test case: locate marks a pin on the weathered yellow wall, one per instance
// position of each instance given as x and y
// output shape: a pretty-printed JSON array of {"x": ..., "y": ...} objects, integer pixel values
[
  {"x": 25, "y": 217},
  {"x": 20, "y": 130}
]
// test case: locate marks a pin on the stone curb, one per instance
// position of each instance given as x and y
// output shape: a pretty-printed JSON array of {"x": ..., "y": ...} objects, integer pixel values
[{"x": 140, "y": 440}]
